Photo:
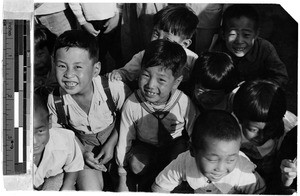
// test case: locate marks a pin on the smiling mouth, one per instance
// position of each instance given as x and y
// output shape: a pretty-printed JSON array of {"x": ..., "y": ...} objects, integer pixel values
[
  {"x": 239, "y": 49},
  {"x": 149, "y": 93},
  {"x": 70, "y": 84}
]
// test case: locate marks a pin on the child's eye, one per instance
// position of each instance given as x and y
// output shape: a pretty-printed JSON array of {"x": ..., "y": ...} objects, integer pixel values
[
  {"x": 231, "y": 160},
  {"x": 61, "y": 66},
  {"x": 39, "y": 54},
  {"x": 145, "y": 75},
  {"x": 162, "y": 80},
  {"x": 247, "y": 35},
  {"x": 253, "y": 130},
  {"x": 212, "y": 160},
  {"x": 78, "y": 67}
]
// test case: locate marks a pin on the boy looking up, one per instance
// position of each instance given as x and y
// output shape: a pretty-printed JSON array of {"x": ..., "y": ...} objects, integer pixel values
[
  {"x": 254, "y": 57},
  {"x": 214, "y": 164},
  {"x": 87, "y": 103},
  {"x": 157, "y": 119}
]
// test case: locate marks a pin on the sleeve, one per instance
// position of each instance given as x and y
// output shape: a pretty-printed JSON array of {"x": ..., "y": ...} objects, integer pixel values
[
  {"x": 171, "y": 176},
  {"x": 275, "y": 68},
  {"x": 132, "y": 69},
  {"x": 126, "y": 135},
  {"x": 52, "y": 112},
  {"x": 289, "y": 120},
  {"x": 75, "y": 159},
  {"x": 250, "y": 182},
  {"x": 77, "y": 10},
  {"x": 192, "y": 113},
  {"x": 120, "y": 92}
]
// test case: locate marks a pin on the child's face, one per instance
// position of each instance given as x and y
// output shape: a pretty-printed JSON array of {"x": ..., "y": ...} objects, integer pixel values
[
  {"x": 208, "y": 98},
  {"x": 42, "y": 61},
  {"x": 75, "y": 70},
  {"x": 218, "y": 158},
  {"x": 254, "y": 132},
  {"x": 40, "y": 130},
  {"x": 160, "y": 34},
  {"x": 240, "y": 35},
  {"x": 156, "y": 84}
]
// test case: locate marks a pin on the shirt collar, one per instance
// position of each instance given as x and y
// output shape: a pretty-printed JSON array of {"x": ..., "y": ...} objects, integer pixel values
[{"x": 197, "y": 180}]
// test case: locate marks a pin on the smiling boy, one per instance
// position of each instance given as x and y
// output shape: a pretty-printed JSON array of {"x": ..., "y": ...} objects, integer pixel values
[
  {"x": 157, "y": 118},
  {"x": 214, "y": 163},
  {"x": 254, "y": 57},
  {"x": 86, "y": 104}
]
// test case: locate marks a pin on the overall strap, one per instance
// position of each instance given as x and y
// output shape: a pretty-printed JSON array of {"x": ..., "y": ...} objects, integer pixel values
[
  {"x": 111, "y": 104},
  {"x": 61, "y": 115}
]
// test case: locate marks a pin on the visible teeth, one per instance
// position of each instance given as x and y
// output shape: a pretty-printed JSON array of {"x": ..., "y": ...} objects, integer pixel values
[
  {"x": 239, "y": 49},
  {"x": 150, "y": 93},
  {"x": 71, "y": 83}
]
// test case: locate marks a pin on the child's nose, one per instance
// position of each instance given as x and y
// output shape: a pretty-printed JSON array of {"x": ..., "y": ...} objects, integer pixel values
[
  {"x": 35, "y": 140},
  {"x": 239, "y": 38},
  {"x": 151, "y": 83},
  {"x": 221, "y": 167},
  {"x": 69, "y": 73}
]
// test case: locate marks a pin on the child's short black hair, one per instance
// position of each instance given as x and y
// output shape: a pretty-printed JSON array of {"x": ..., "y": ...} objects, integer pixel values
[
  {"x": 261, "y": 101},
  {"x": 78, "y": 39},
  {"x": 43, "y": 37},
  {"x": 215, "y": 70},
  {"x": 177, "y": 19},
  {"x": 239, "y": 10},
  {"x": 39, "y": 103},
  {"x": 170, "y": 55},
  {"x": 216, "y": 124}
]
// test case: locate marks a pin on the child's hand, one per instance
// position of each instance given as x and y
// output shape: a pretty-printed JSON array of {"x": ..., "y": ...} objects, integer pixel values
[
  {"x": 90, "y": 28},
  {"x": 288, "y": 171},
  {"x": 115, "y": 75},
  {"x": 93, "y": 162},
  {"x": 112, "y": 23},
  {"x": 106, "y": 154}
]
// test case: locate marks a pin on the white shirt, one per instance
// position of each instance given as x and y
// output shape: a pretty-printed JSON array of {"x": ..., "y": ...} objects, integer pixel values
[
  {"x": 61, "y": 153},
  {"x": 93, "y": 11},
  {"x": 100, "y": 116},
  {"x": 243, "y": 178}
]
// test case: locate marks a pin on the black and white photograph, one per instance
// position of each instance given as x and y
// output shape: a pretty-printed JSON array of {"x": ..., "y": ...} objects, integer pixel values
[{"x": 164, "y": 97}]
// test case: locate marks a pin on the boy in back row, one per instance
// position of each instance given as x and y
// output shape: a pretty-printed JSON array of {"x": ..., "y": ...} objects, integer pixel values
[
  {"x": 175, "y": 23},
  {"x": 253, "y": 56}
]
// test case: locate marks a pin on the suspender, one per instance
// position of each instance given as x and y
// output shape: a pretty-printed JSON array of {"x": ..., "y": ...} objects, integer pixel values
[{"x": 62, "y": 118}]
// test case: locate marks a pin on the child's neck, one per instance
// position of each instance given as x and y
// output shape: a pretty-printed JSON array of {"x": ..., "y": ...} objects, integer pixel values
[
  {"x": 84, "y": 100},
  {"x": 37, "y": 158}
]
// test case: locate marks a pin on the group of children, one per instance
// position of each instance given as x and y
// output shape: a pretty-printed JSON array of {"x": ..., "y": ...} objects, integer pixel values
[{"x": 214, "y": 122}]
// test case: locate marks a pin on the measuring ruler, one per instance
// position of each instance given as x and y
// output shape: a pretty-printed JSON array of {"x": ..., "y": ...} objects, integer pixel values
[{"x": 16, "y": 94}]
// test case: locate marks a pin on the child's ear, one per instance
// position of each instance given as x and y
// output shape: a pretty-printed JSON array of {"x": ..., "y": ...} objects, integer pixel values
[
  {"x": 186, "y": 43},
  {"x": 97, "y": 68},
  {"x": 177, "y": 82}
]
